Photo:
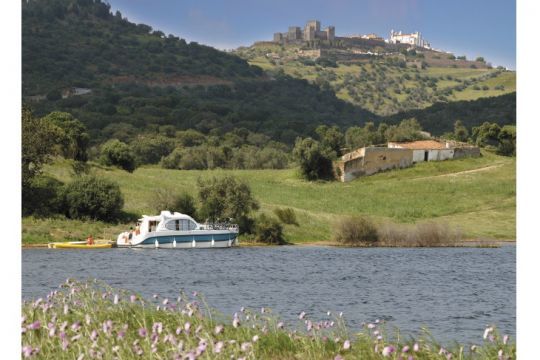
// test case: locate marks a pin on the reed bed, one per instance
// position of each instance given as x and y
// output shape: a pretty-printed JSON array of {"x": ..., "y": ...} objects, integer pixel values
[{"x": 91, "y": 320}]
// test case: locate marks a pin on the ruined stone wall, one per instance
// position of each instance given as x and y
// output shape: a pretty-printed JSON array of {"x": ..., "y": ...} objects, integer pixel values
[{"x": 368, "y": 161}]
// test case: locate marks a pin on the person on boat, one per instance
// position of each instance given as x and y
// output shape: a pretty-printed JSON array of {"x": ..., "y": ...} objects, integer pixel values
[
  {"x": 90, "y": 240},
  {"x": 130, "y": 236},
  {"x": 137, "y": 229}
]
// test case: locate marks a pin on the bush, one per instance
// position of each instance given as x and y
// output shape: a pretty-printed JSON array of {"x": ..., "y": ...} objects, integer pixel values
[
  {"x": 356, "y": 231},
  {"x": 269, "y": 230},
  {"x": 287, "y": 216},
  {"x": 43, "y": 197},
  {"x": 116, "y": 153},
  {"x": 90, "y": 197},
  {"x": 421, "y": 235}
]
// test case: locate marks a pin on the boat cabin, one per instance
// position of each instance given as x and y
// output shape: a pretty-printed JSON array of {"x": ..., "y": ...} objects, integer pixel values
[{"x": 167, "y": 221}]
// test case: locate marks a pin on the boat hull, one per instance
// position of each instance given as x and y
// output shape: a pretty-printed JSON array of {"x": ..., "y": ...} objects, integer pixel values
[
  {"x": 187, "y": 240},
  {"x": 79, "y": 246}
]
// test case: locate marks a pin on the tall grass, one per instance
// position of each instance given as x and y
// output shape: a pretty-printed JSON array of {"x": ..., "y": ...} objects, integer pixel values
[
  {"x": 362, "y": 231},
  {"x": 90, "y": 320}
]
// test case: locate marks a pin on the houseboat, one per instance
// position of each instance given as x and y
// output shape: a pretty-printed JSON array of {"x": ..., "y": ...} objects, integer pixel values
[{"x": 175, "y": 230}]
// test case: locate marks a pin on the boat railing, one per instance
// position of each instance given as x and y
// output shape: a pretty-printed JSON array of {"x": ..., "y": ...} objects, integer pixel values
[{"x": 221, "y": 226}]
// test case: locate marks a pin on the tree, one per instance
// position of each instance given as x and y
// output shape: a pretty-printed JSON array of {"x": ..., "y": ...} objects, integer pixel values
[
  {"x": 94, "y": 198},
  {"x": 331, "y": 138},
  {"x": 460, "y": 131},
  {"x": 225, "y": 198},
  {"x": 315, "y": 162},
  {"x": 507, "y": 141},
  {"x": 480, "y": 59},
  {"x": 486, "y": 134},
  {"x": 73, "y": 139},
  {"x": 116, "y": 153},
  {"x": 151, "y": 149},
  {"x": 37, "y": 145}
]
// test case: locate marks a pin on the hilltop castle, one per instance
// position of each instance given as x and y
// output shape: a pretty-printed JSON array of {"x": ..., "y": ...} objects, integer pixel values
[{"x": 312, "y": 31}]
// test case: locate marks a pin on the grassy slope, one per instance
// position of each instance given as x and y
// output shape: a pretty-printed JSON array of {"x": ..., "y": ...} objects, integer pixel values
[
  {"x": 481, "y": 203},
  {"x": 476, "y": 76}
]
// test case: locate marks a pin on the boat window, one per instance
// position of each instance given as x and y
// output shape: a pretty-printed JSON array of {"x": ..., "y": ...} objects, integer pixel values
[
  {"x": 172, "y": 225},
  {"x": 152, "y": 225},
  {"x": 192, "y": 225},
  {"x": 184, "y": 225}
]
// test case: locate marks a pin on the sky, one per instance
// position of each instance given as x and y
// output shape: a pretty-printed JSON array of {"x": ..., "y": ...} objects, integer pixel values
[{"x": 465, "y": 27}]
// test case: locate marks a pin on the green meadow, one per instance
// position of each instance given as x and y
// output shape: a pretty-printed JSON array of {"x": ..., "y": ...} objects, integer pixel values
[{"x": 476, "y": 196}]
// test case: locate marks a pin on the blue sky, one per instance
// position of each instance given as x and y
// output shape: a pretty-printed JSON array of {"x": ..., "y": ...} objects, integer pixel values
[{"x": 473, "y": 28}]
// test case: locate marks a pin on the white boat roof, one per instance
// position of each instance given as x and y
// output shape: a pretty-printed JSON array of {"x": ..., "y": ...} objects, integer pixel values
[{"x": 166, "y": 215}]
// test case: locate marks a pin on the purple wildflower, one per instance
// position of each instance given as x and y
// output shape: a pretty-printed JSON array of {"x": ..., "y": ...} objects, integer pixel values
[
  {"x": 416, "y": 347},
  {"x": 35, "y": 325},
  {"x": 405, "y": 349},
  {"x": 338, "y": 357},
  {"x": 187, "y": 326},
  {"x": 218, "y": 329},
  {"x": 505, "y": 339},
  {"x": 76, "y": 326},
  {"x": 255, "y": 338},
  {"x": 487, "y": 332},
  {"x": 346, "y": 345},
  {"x": 94, "y": 335},
  {"x": 132, "y": 298},
  {"x": 218, "y": 347},
  {"x": 142, "y": 332},
  {"x": 280, "y": 325},
  {"x": 388, "y": 350},
  {"x": 302, "y": 315},
  {"x": 236, "y": 322},
  {"x": 27, "y": 351},
  {"x": 245, "y": 346}
]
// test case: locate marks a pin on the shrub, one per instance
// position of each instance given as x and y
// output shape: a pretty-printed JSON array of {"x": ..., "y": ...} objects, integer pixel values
[
  {"x": 92, "y": 197},
  {"x": 114, "y": 152},
  {"x": 356, "y": 231},
  {"x": 421, "y": 235},
  {"x": 269, "y": 230},
  {"x": 43, "y": 196},
  {"x": 287, "y": 216}
]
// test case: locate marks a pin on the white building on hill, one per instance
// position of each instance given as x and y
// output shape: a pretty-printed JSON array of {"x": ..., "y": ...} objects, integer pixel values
[{"x": 415, "y": 39}]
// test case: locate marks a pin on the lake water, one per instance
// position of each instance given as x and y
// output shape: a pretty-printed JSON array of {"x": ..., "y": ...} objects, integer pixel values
[{"x": 455, "y": 292}]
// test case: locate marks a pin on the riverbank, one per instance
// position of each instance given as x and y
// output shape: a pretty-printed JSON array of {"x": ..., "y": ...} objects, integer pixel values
[
  {"x": 481, "y": 204},
  {"x": 89, "y": 320},
  {"x": 478, "y": 243}
]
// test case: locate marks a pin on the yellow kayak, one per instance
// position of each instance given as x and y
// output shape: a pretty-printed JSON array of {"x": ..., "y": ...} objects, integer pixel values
[{"x": 78, "y": 245}]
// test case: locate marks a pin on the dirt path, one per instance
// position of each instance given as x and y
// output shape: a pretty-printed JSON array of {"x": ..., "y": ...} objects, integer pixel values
[{"x": 486, "y": 168}]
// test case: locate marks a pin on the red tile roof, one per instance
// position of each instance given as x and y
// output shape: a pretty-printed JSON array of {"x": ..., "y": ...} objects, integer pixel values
[{"x": 421, "y": 145}]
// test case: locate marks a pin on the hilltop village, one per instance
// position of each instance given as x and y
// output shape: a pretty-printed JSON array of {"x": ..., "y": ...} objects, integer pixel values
[{"x": 312, "y": 31}]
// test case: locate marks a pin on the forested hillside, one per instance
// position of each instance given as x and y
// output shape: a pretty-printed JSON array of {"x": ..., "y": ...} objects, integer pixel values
[
  {"x": 440, "y": 118},
  {"x": 80, "y": 58}
]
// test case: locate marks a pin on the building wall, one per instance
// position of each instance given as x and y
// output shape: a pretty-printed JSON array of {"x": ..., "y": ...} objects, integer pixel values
[
  {"x": 433, "y": 155},
  {"x": 368, "y": 161},
  {"x": 463, "y": 152}
]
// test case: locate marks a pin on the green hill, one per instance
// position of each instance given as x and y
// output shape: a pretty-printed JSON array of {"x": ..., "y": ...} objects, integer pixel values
[
  {"x": 394, "y": 80},
  {"x": 80, "y": 58}
]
